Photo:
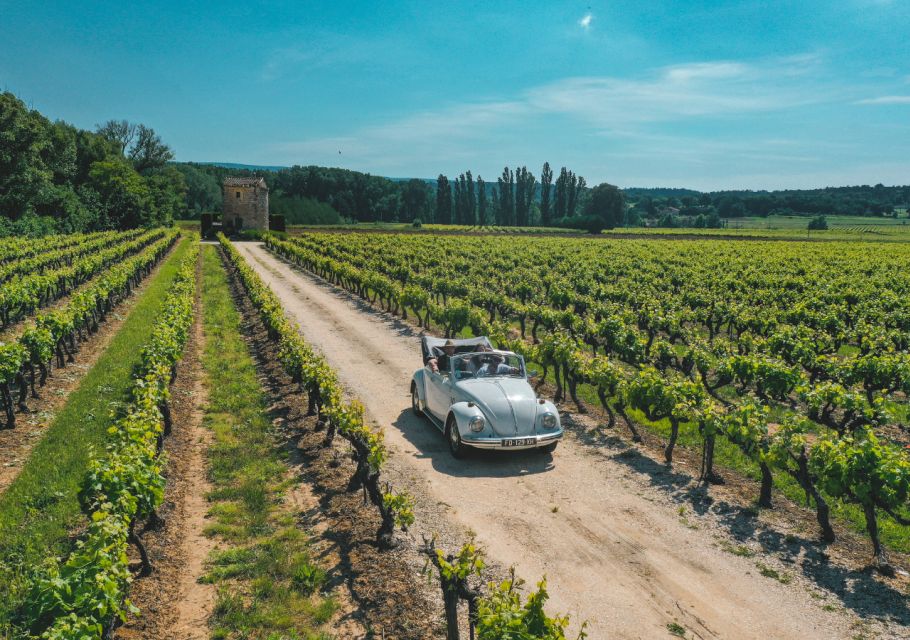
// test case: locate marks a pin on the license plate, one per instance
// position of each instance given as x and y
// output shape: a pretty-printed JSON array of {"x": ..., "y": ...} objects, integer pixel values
[{"x": 517, "y": 442}]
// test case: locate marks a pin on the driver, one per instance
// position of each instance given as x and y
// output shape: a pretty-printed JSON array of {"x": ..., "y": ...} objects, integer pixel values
[
  {"x": 495, "y": 366},
  {"x": 441, "y": 361}
]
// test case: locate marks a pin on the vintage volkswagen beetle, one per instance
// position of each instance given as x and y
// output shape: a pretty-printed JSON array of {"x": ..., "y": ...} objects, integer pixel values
[{"x": 481, "y": 398}]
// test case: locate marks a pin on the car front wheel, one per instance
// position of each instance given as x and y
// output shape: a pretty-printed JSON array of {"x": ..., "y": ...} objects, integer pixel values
[
  {"x": 415, "y": 401},
  {"x": 456, "y": 446},
  {"x": 549, "y": 448}
]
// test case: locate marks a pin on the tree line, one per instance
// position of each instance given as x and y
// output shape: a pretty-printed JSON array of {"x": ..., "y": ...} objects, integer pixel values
[
  {"x": 518, "y": 199},
  {"x": 319, "y": 195},
  {"x": 864, "y": 200},
  {"x": 55, "y": 177}
]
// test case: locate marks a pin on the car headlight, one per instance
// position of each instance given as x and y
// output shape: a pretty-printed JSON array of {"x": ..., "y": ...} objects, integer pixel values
[
  {"x": 548, "y": 421},
  {"x": 476, "y": 423}
]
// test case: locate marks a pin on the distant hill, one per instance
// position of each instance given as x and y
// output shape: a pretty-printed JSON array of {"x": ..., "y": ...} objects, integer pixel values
[
  {"x": 238, "y": 165},
  {"x": 659, "y": 192}
]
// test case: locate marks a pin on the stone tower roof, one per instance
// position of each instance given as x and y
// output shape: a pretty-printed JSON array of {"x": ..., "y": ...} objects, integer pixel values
[{"x": 245, "y": 182}]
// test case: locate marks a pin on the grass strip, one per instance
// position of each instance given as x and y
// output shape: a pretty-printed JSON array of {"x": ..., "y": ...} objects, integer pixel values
[
  {"x": 40, "y": 510},
  {"x": 268, "y": 585}
]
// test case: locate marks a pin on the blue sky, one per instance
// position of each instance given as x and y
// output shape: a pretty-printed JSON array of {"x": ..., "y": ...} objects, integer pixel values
[{"x": 705, "y": 94}]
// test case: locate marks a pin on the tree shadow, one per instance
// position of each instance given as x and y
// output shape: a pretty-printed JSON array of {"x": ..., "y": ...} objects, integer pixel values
[{"x": 857, "y": 590}]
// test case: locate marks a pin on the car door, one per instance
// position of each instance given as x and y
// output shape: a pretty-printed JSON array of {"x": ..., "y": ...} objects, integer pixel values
[{"x": 438, "y": 394}]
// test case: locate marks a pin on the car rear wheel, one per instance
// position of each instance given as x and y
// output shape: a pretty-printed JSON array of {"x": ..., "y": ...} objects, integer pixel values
[
  {"x": 456, "y": 446},
  {"x": 415, "y": 401}
]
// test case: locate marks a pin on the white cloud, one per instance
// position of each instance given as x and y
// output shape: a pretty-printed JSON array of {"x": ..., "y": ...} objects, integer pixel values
[
  {"x": 281, "y": 60},
  {"x": 704, "y": 70},
  {"x": 618, "y": 119},
  {"x": 677, "y": 92},
  {"x": 426, "y": 135},
  {"x": 585, "y": 22},
  {"x": 326, "y": 50},
  {"x": 669, "y": 94},
  {"x": 886, "y": 100}
]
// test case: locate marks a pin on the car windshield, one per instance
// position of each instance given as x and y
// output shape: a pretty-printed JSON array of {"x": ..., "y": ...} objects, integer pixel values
[{"x": 488, "y": 365}]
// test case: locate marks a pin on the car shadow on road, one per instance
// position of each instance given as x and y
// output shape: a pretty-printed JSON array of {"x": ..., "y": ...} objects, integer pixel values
[{"x": 431, "y": 444}]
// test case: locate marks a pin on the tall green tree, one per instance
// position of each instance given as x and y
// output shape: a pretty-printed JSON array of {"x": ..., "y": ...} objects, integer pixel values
[
  {"x": 458, "y": 201},
  {"x": 481, "y": 202},
  {"x": 415, "y": 199},
  {"x": 149, "y": 152},
  {"x": 119, "y": 132},
  {"x": 167, "y": 190},
  {"x": 470, "y": 200},
  {"x": 443, "y": 200},
  {"x": 606, "y": 202},
  {"x": 506, "y": 211},
  {"x": 465, "y": 200},
  {"x": 569, "y": 188},
  {"x": 23, "y": 145},
  {"x": 91, "y": 148},
  {"x": 575, "y": 188},
  {"x": 125, "y": 196},
  {"x": 525, "y": 185},
  {"x": 561, "y": 193},
  {"x": 203, "y": 190},
  {"x": 546, "y": 185},
  {"x": 494, "y": 215}
]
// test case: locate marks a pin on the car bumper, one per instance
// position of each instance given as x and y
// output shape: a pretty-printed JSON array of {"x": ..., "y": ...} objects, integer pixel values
[{"x": 498, "y": 443}]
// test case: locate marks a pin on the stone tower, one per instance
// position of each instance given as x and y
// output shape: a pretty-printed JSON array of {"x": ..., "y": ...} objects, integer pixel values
[{"x": 245, "y": 203}]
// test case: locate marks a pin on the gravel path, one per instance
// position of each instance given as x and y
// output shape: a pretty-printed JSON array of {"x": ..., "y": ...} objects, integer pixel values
[{"x": 626, "y": 563}]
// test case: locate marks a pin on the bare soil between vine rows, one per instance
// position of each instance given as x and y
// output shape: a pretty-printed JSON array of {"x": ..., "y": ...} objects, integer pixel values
[
  {"x": 626, "y": 543},
  {"x": 172, "y": 602}
]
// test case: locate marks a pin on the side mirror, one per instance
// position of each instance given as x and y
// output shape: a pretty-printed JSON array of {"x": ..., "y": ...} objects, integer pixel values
[{"x": 533, "y": 374}]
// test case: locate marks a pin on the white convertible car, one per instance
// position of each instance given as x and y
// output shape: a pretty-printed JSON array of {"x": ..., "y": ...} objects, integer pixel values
[{"x": 481, "y": 398}]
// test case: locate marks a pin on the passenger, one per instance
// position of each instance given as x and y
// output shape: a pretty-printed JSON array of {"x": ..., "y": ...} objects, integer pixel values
[{"x": 495, "y": 366}]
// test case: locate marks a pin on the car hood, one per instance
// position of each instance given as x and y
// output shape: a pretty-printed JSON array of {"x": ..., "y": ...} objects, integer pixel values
[{"x": 508, "y": 403}]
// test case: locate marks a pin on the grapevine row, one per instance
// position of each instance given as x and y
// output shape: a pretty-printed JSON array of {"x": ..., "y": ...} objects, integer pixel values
[
  {"x": 59, "y": 257},
  {"x": 22, "y": 296},
  {"x": 83, "y": 596},
  {"x": 18, "y": 247},
  {"x": 56, "y": 334}
]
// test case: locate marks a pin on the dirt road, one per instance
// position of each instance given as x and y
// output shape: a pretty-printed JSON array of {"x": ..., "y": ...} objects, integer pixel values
[{"x": 627, "y": 564}]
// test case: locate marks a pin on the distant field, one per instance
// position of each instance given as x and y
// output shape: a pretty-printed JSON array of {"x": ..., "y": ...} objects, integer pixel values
[
  {"x": 840, "y": 228},
  {"x": 800, "y": 222},
  {"x": 795, "y": 227},
  {"x": 431, "y": 228}
]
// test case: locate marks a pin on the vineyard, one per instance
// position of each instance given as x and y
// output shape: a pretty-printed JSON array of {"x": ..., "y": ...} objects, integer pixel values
[
  {"x": 142, "y": 372},
  {"x": 788, "y": 362}
]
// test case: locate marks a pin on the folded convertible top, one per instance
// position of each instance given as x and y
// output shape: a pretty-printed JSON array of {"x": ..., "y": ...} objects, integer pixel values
[{"x": 462, "y": 345}]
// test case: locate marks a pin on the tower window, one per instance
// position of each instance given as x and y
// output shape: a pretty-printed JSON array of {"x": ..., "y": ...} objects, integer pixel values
[{"x": 237, "y": 194}]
